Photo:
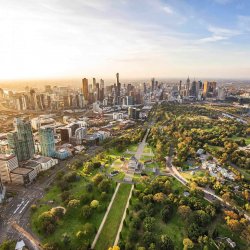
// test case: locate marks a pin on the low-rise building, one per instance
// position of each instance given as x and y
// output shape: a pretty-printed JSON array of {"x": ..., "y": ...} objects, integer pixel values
[
  {"x": 133, "y": 163},
  {"x": 117, "y": 116},
  {"x": 8, "y": 162},
  {"x": 23, "y": 176},
  {"x": 45, "y": 162}
]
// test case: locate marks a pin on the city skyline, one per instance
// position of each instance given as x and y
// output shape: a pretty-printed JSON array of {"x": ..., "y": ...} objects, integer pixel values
[{"x": 66, "y": 39}]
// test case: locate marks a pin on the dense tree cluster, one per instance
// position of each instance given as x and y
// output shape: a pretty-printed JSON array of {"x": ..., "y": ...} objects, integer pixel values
[{"x": 155, "y": 200}]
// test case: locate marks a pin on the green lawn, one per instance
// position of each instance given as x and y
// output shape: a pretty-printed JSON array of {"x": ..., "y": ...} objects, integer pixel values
[
  {"x": 151, "y": 165},
  {"x": 133, "y": 147},
  {"x": 72, "y": 222},
  {"x": 174, "y": 229},
  {"x": 147, "y": 149},
  {"x": 187, "y": 175},
  {"x": 146, "y": 158},
  {"x": 214, "y": 148},
  {"x": 237, "y": 138},
  {"x": 109, "y": 231}
]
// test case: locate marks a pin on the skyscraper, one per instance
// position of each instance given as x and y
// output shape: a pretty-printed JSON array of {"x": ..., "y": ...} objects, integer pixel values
[
  {"x": 94, "y": 84},
  {"x": 47, "y": 142},
  {"x": 85, "y": 89},
  {"x": 21, "y": 140},
  {"x": 101, "y": 90},
  {"x": 118, "y": 84},
  {"x": 152, "y": 84}
]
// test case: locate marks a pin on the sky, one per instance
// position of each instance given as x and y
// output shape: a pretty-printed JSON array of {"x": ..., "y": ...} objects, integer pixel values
[{"x": 137, "y": 38}]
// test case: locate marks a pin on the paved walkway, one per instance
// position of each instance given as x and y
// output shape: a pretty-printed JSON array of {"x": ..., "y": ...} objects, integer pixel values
[
  {"x": 130, "y": 173},
  {"x": 34, "y": 243},
  {"x": 105, "y": 217},
  {"x": 123, "y": 217}
]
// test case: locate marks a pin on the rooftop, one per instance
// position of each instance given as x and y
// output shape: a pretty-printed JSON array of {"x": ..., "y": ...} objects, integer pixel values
[
  {"x": 41, "y": 159},
  {"x": 22, "y": 171},
  {"x": 6, "y": 157},
  {"x": 31, "y": 164}
]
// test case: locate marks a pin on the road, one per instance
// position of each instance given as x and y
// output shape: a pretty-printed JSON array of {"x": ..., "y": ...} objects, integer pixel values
[
  {"x": 16, "y": 212},
  {"x": 130, "y": 173},
  {"x": 209, "y": 194}
]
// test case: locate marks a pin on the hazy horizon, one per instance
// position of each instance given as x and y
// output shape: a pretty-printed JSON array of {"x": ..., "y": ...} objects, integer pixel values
[{"x": 76, "y": 83}]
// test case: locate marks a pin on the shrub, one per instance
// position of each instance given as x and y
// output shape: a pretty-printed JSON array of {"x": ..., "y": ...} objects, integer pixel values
[
  {"x": 89, "y": 187},
  {"x": 65, "y": 195},
  {"x": 86, "y": 211},
  {"x": 70, "y": 177},
  {"x": 97, "y": 178},
  {"x": 103, "y": 196},
  {"x": 74, "y": 203},
  {"x": 104, "y": 186},
  {"x": 33, "y": 207},
  {"x": 94, "y": 204}
]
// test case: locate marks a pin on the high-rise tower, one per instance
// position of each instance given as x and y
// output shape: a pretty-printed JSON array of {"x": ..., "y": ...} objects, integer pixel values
[
  {"x": 21, "y": 141},
  {"x": 47, "y": 141},
  {"x": 85, "y": 89},
  {"x": 118, "y": 84}
]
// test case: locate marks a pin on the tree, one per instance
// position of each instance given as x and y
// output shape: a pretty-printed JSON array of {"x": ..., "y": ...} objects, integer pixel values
[
  {"x": 80, "y": 235},
  {"x": 94, "y": 204},
  {"x": 132, "y": 235},
  {"x": 159, "y": 197},
  {"x": 166, "y": 213},
  {"x": 7, "y": 245},
  {"x": 65, "y": 239},
  {"x": 65, "y": 195},
  {"x": 166, "y": 243},
  {"x": 70, "y": 177},
  {"x": 97, "y": 178},
  {"x": 114, "y": 248},
  {"x": 136, "y": 223},
  {"x": 88, "y": 167},
  {"x": 51, "y": 246},
  {"x": 74, "y": 203},
  {"x": 201, "y": 217},
  {"x": 149, "y": 223},
  {"x": 234, "y": 225},
  {"x": 47, "y": 222},
  {"x": 89, "y": 187},
  {"x": 184, "y": 211},
  {"x": 187, "y": 243},
  {"x": 58, "y": 212},
  {"x": 194, "y": 231},
  {"x": 104, "y": 186},
  {"x": 86, "y": 211},
  {"x": 88, "y": 230},
  {"x": 148, "y": 238},
  {"x": 152, "y": 246}
]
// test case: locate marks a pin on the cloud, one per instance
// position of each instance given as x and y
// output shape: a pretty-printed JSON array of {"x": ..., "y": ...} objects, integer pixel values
[
  {"x": 218, "y": 34},
  {"x": 223, "y": 32},
  {"x": 167, "y": 9}
]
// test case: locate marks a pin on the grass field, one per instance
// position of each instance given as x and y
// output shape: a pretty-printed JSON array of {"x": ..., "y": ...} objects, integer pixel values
[
  {"x": 214, "y": 148},
  {"x": 174, "y": 229},
  {"x": 109, "y": 231},
  {"x": 72, "y": 222},
  {"x": 187, "y": 175},
  {"x": 236, "y": 138}
]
